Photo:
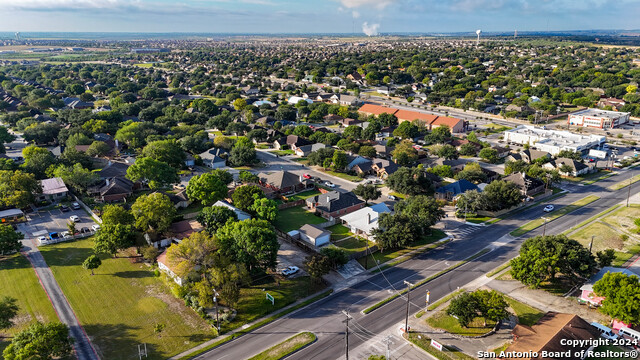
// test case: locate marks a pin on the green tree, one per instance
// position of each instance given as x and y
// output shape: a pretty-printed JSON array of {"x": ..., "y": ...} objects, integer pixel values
[
  {"x": 491, "y": 305},
  {"x": 443, "y": 171},
  {"x": 37, "y": 160},
  {"x": 367, "y": 151},
  {"x": 409, "y": 181},
  {"x": 340, "y": 160},
  {"x": 243, "y": 153},
  {"x": 404, "y": 154},
  {"x": 98, "y": 149},
  {"x": 215, "y": 217},
  {"x": 440, "y": 134},
  {"x": 113, "y": 238},
  {"x": 9, "y": 240},
  {"x": 605, "y": 257},
  {"x": 248, "y": 177},
  {"x": 621, "y": 293},
  {"x": 251, "y": 242},
  {"x": 337, "y": 256},
  {"x": 448, "y": 152},
  {"x": 76, "y": 176},
  {"x": 468, "y": 149},
  {"x": 239, "y": 104},
  {"x": 464, "y": 307},
  {"x": 570, "y": 155},
  {"x": 489, "y": 154},
  {"x": 502, "y": 195},
  {"x": 8, "y": 311},
  {"x": 472, "y": 201},
  {"x": 154, "y": 211},
  {"x": 422, "y": 210},
  {"x": 406, "y": 130},
  {"x": 394, "y": 231},
  {"x": 472, "y": 172},
  {"x": 244, "y": 196},
  {"x": 194, "y": 252},
  {"x": 5, "y": 136},
  {"x": 517, "y": 166},
  {"x": 166, "y": 151},
  {"x": 91, "y": 263},
  {"x": 317, "y": 266},
  {"x": 40, "y": 341},
  {"x": 115, "y": 214},
  {"x": 543, "y": 257},
  {"x": 264, "y": 208},
  {"x": 157, "y": 173},
  {"x": 207, "y": 188},
  {"x": 367, "y": 192},
  {"x": 18, "y": 189}
]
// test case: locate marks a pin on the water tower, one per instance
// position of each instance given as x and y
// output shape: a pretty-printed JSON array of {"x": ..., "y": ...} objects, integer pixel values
[{"x": 478, "y": 32}]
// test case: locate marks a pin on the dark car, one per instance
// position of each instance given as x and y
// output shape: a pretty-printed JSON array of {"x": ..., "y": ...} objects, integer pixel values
[
  {"x": 64, "y": 208},
  {"x": 85, "y": 230}
]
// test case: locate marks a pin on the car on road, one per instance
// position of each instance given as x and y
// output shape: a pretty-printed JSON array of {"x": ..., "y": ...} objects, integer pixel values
[
  {"x": 329, "y": 184},
  {"x": 74, "y": 218},
  {"x": 42, "y": 239},
  {"x": 75, "y": 206},
  {"x": 391, "y": 197},
  {"x": 95, "y": 227},
  {"x": 64, "y": 208},
  {"x": 617, "y": 164},
  {"x": 306, "y": 176},
  {"x": 548, "y": 208},
  {"x": 290, "y": 270}
]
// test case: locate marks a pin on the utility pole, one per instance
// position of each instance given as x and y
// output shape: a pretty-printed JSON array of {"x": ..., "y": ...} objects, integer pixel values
[
  {"x": 387, "y": 341},
  {"x": 215, "y": 300},
  {"x": 346, "y": 334},
  {"x": 544, "y": 229},
  {"x": 426, "y": 308},
  {"x": 591, "y": 244},
  {"x": 406, "y": 319}
]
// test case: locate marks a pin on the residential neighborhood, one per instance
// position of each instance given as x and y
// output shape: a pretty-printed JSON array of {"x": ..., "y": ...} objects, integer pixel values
[{"x": 295, "y": 196}]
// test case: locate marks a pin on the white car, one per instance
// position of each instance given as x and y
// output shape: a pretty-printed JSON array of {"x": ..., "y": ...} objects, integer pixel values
[
  {"x": 290, "y": 270},
  {"x": 75, "y": 206},
  {"x": 42, "y": 239},
  {"x": 391, "y": 197},
  {"x": 95, "y": 227},
  {"x": 74, "y": 218},
  {"x": 330, "y": 184},
  {"x": 548, "y": 208}
]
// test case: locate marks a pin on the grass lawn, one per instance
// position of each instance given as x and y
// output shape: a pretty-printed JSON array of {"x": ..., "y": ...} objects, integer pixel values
[
  {"x": 398, "y": 195},
  {"x": 144, "y": 65},
  {"x": 422, "y": 341},
  {"x": 344, "y": 176},
  {"x": 282, "y": 152},
  {"x": 352, "y": 244},
  {"x": 526, "y": 314},
  {"x": 624, "y": 183},
  {"x": 121, "y": 304},
  {"x": 195, "y": 207},
  {"x": 293, "y": 218},
  {"x": 450, "y": 324},
  {"x": 534, "y": 224},
  {"x": 303, "y": 195},
  {"x": 19, "y": 281},
  {"x": 383, "y": 257},
  {"x": 624, "y": 217},
  {"x": 474, "y": 218},
  {"x": 339, "y": 232},
  {"x": 286, "y": 347}
]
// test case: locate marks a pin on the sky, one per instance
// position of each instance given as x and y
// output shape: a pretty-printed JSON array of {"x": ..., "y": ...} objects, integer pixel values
[{"x": 316, "y": 16}]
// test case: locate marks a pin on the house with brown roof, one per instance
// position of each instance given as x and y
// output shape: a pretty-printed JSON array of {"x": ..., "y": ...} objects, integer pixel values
[
  {"x": 407, "y": 115},
  {"x": 550, "y": 335},
  {"x": 334, "y": 204},
  {"x": 455, "y": 125},
  {"x": 284, "y": 182},
  {"x": 528, "y": 185},
  {"x": 169, "y": 268}
]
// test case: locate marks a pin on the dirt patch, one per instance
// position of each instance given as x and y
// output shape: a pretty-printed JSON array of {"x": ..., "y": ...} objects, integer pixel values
[{"x": 177, "y": 306}]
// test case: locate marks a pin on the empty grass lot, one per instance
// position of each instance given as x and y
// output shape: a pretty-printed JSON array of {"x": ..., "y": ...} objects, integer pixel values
[
  {"x": 532, "y": 225},
  {"x": 286, "y": 347},
  {"x": 352, "y": 245},
  {"x": 450, "y": 324},
  {"x": 120, "y": 305},
  {"x": 282, "y": 152},
  {"x": 526, "y": 314},
  {"x": 303, "y": 195},
  {"x": 294, "y": 218},
  {"x": 19, "y": 281}
]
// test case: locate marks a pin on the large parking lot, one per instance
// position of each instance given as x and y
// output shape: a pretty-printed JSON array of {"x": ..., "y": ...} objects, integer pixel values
[{"x": 53, "y": 220}]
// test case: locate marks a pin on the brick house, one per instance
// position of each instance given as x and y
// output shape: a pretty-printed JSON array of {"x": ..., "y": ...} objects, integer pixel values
[{"x": 334, "y": 204}]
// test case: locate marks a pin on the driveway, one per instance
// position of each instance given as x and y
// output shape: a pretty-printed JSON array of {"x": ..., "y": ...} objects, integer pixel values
[{"x": 54, "y": 221}]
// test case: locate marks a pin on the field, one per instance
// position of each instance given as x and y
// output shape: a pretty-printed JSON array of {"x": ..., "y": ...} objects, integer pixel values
[
  {"x": 19, "y": 281},
  {"x": 293, "y": 218},
  {"x": 526, "y": 314},
  {"x": 450, "y": 324},
  {"x": 121, "y": 304}
]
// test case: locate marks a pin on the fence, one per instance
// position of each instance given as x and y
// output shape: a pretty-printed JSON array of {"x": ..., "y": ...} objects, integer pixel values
[
  {"x": 88, "y": 210},
  {"x": 326, "y": 224},
  {"x": 68, "y": 238},
  {"x": 291, "y": 204},
  {"x": 299, "y": 243}
]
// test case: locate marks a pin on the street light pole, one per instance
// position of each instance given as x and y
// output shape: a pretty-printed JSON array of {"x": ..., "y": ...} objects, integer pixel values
[
  {"x": 427, "y": 302},
  {"x": 215, "y": 300},
  {"x": 406, "y": 319},
  {"x": 544, "y": 229}
]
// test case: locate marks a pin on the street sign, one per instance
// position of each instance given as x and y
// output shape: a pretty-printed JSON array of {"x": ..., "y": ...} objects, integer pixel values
[
  {"x": 270, "y": 298},
  {"x": 436, "y": 344}
]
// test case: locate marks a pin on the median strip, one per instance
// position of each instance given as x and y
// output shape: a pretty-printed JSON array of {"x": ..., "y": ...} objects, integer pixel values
[
  {"x": 402, "y": 292},
  {"x": 625, "y": 183},
  {"x": 534, "y": 224},
  {"x": 286, "y": 347}
]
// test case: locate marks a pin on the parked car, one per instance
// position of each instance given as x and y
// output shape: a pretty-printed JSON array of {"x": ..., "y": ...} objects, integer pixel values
[
  {"x": 75, "y": 206},
  {"x": 330, "y": 184},
  {"x": 74, "y": 218},
  {"x": 391, "y": 197},
  {"x": 64, "y": 208},
  {"x": 54, "y": 235},
  {"x": 617, "y": 164},
  {"x": 290, "y": 270},
  {"x": 85, "y": 230},
  {"x": 306, "y": 176},
  {"x": 42, "y": 239},
  {"x": 95, "y": 227},
  {"x": 549, "y": 208}
]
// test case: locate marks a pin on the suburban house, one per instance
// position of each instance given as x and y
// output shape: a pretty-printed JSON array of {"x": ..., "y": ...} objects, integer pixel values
[
  {"x": 529, "y": 155},
  {"x": 180, "y": 199},
  {"x": 348, "y": 100},
  {"x": 528, "y": 186},
  {"x": 214, "y": 158},
  {"x": 332, "y": 118},
  {"x": 114, "y": 169},
  {"x": 357, "y": 161},
  {"x": 113, "y": 189},
  {"x": 312, "y": 234},
  {"x": 586, "y": 291},
  {"x": 384, "y": 168},
  {"x": 53, "y": 189},
  {"x": 284, "y": 182},
  {"x": 308, "y": 149},
  {"x": 168, "y": 268},
  {"x": 362, "y": 222},
  {"x": 577, "y": 168},
  {"x": 334, "y": 204},
  {"x": 239, "y": 213},
  {"x": 550, "y": 334},
  {"x": 455, "y": 164},
  {"x": 503, "y": 152},
  {"x": 383, "y": 151},
  {"x": 183, "y": 229},
  {"x": 453, "y": 190},
  {"x": 291, "y": 141}
]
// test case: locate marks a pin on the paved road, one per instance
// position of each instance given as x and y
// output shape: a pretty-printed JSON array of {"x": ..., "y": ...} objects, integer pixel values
[
  {"x": 325, "y": 318},
  {"x": 84, "y": 349}
]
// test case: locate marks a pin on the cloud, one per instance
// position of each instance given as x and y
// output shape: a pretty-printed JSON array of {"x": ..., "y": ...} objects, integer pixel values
[
  {"x": 67, "y": 4},
  {"x": 378, "y": 4},
  {"x": 370, "y": 30},
  {"x": 355, "y": 14}
]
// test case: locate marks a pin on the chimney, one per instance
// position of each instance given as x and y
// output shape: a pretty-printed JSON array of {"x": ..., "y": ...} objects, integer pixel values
[{"x": 107, "y": 182}]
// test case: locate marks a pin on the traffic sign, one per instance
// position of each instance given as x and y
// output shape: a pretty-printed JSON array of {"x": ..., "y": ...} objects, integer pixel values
[{"x": 270, "y": 298}]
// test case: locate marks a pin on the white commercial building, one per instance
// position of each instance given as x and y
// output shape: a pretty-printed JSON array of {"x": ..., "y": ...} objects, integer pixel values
[
  {"x": 602, "y": 119},
  {"x": 553, "y": 141}
]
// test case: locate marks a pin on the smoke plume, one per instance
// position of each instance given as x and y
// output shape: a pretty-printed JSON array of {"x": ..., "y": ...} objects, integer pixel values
[{"x": 370, "y": 30}]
